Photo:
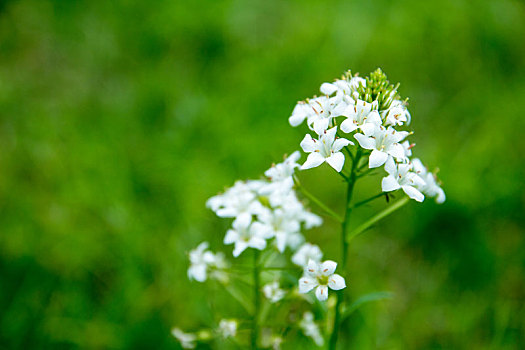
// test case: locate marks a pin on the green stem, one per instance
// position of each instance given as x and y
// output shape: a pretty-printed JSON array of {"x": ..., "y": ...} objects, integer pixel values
[
  {"x": 316, "y": 201},
  {"x": 256, "y": 299},
  {"x": 387, "y": 211},
  {"x": 344, "y": 247},
  {"x": 363, "y": 202}
]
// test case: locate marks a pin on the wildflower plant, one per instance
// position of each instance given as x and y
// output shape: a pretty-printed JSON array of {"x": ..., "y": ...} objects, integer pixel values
[{"x": 357, "y": 126}]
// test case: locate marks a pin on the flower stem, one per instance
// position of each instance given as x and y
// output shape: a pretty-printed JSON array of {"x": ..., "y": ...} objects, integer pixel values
[
  {"x": 363, "y": 202},
  {"x": 312, "y": 198},
  {"x": 344, "y": 252},
  {"x": 256, "y": 299},
  {"x": 387, "y": 211}
]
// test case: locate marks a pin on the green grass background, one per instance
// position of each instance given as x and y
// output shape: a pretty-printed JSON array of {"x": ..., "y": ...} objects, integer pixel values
[{"x": 118, "y": 119}]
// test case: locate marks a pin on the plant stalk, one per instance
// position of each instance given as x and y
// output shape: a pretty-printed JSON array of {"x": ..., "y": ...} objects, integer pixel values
[{"x": 256, "y": 299}]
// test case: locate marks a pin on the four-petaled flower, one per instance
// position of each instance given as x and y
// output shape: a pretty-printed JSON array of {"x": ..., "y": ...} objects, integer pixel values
[
  {"x": 383, "y": 143},
  {"x": 361, "y": 115},
  {"x": 245, "y": 234},
  {"x": 321, "y": 276},
  {"x": 402, "y": 176},
  {"x": 326, "y": 148}
]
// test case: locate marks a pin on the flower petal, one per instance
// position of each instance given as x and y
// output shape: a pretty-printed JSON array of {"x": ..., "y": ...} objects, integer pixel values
[
  {"x": 413, "y": 193},
  {"x": 240, "y": 246},
  {"x": 336, "y": 161},
  {"x": 321, "y": 293},
  {"x": 328, "y": 89},
  {"x": 314, "y": 159},
  {"x": 336, "y": 282},
  {"x": 377, "y": 158},
  {"x": 365, "y": 142},
  {"x": 308, "y": 144},
  {"x": 306, "y": 284},
  {"x": 340, "y": 143},
  {"x": 231, "y": 237},
  {"x": 328, "y": 267},
  {"x": 312, "y": 269},
  {"x": 347, "y": 126},
  {"x": 389, "y": 183}
]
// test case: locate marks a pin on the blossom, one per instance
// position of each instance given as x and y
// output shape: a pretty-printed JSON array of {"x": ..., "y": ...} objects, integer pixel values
[
  {"x": 321, "y": 276},
  {"x": 187, "y": 340},
  {"x": 279, "y": 224},
  {"x": 245, "y": 234},
  {"x": 326, "y": 148},
  {"x": 311, "y": 329},
  {"x": 402, "y": 176},
  {"x": 273, "y": 292},
  {"x": 318, "y": 112},
  {"x": 306, "y": 253},
  {"x": 227, "y": 328},
  {"x": 430, "y": 187},
  {"x": 283, "y": 171},
  {"x": 383, "y": 143},
  {"x": 238, "y": 201},
  {"x": 200, "y": 259},
  {"x": 397, "y": 114},
  {"x": 360, "y": 115}
]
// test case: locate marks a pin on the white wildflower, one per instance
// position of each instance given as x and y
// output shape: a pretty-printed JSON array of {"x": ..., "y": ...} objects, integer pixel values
[
  {"x": 402, "y": 176},
  {"x": 273, "y": 292},
  {"x": 227, "y": 328},
  {"x": 200, "y": 260},
  {"x": 306, "y": 253},
  {"x": 361, "y": 115},
  {"x": 397, "y": 114},
  {"x": 431, "y": 187},
  {"x": 238, "y": 201},
  {"x": 326, "y": 148},
  {"x": 187, "y": 340},
  {"x": 321, "y": 276},
  {"x": 311, "y": 329},
  {"x": 245, "y": 234},
  {"x": 383, "y": 143}
]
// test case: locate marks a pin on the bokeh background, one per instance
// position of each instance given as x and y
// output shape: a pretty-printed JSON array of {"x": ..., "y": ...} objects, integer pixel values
[{"x": 118, "y": 119}]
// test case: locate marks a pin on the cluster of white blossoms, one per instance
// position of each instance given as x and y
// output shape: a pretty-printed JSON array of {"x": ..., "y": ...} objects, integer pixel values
[
  {"x": 372, "y": 112},
  {"x": 265, "y": 210}
]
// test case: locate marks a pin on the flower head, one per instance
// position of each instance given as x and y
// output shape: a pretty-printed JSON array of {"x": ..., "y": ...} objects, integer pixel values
[
  {"x": 402, "y": 176},
  {"x": 383, "y": 142},
  {"x": 311, "y": 329},
  {"x": 306, "y": 253},
  {"x": 273, "y": 292},
  {"x": 325, "y": 149},
  {"x": 321, "y": 276},
  {"x": 245, "y": 234},
  {"x": 187, "y": 340},
  {"x": 227, "y": 328},
  {"x": 430, "y": 186}
]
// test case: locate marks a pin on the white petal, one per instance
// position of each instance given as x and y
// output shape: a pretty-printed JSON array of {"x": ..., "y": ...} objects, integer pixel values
[
  {"x": 320, "y": 125},
  {"x": 368, "y": 128},
  {"x": 390, "y": 166},
  {"x": 298, "y": 115},
  {"x": 389, "y": 183},
  {"x": 348, "y": 126},
  {"x": 240, "y": 246},
  {"x": 336, "y": 161},
  {"x": 441, "y": 196},
  {"x": 330, "y": 135},
  {"x": 322, "y": 293},
  {"x": 340, "y": 143},
  {"x": 336, "y": 282},
  {"x": 312, "y": 269},
  {"x": 242, "y": 221},
  {"x": 377, "y": 158},
  {"x": 280, "y": 241},
  {"x": 314, "y": 159},
  {"x": 328, "y": 89},
  {"x": 257, "y": 243},
  {"x": 306, "y": 284},
  {"x": 397, "y": 151},
  {"x": 373, "y": 118},
  {"x": 413, "y": 193},
  {"x": 308, "y": 144},
  {"x": 365, "y": 142},
  {"x": 328, "y": 267},
  {"x": 198, "y": 272},
  {"x": 231, "y": 237}
]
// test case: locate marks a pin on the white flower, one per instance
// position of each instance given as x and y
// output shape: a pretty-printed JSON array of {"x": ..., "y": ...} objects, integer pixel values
[
  {"x": 402, "y": 176},
  {"x": 326, "y": 148},
  {"x": 280, "y": 225},
  {"x": 383, "y": 143},
  {"x": 238, "y": 201},
  {"x": 306, "y": 253},
  {"x": 318, "y": 112},
  {"x": 431, "y": 187},
  {"x": 273, "y": 292},
  {"x": 187, "y": 340},
  {"x": 283, "y": 171},
  {"x": 322, "y": 276},
  {"x": 203, "y": 261},
  {"x": 200, "y": 259},
  {"x": 397, "y": 114},
  {"x": 345, "y": 90},
  {"x": 227, "y": 328},
  {"x": 311, "y": 329},
  {"x": 361, "y": 115},
  {"x": 245, "y": 234}
]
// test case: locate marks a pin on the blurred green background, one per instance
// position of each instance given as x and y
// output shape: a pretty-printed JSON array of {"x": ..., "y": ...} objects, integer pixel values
[{"x": 118, "y": 119}]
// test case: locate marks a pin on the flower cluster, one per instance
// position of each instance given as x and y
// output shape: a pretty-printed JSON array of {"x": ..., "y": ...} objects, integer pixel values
[
  {"x": 371, "y": 111},
  {"x": 265, "y": 209}
]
